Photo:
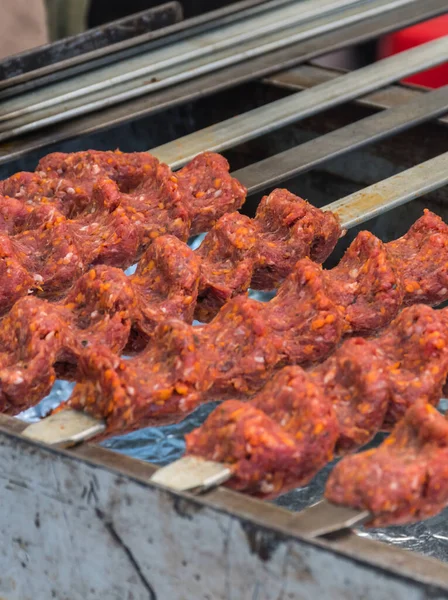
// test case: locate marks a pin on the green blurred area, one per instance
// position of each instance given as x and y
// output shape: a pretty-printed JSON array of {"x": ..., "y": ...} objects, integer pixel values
[{"x": 66, "y": 17}]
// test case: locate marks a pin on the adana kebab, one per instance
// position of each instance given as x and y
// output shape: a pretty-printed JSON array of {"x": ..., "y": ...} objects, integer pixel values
[
  {"x": 313, "y": 308},
  {"x": 105, "y": 306},
  {"x": 402, "y": 481},
  {"x": 334, "y": 407},
  {"x": 239, "y": 350},
  {"x": 78, "y": 426},
  {"x": 101, "y": 208},
  {"x": 283, "y": 436}
]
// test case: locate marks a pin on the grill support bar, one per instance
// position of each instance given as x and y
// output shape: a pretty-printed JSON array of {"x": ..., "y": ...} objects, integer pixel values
[
  {"x": 180, "y": 62},
  {"x": 226, "y": 78},
  {"x": 298, "y": 106},
  {"x": 159, "y": 544},
  {"x": 390, "y": 193},
  {"x": 282, "y": 166}
]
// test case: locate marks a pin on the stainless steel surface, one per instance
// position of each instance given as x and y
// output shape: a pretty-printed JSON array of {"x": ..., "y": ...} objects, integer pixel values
[
  {"x": 284, "y": 165},
  {"x": 66, "y": 428},
  {"x": 323, "y": 518},
  {"x": 310, "y": 75},
  {"x": 203, "y": 45},
  {"x": 390, "y": 193},
  {"x": 66, "y": 100},
  {"x": 287, "y": 110},
  {"x": 129, "y": 537},
  {"x": 225, "y": 78},
  {"x": 68, "y": 65},
  {"x": 162, "y": 445},
  {"x": 28, "y": 65},
  {"x": 191, "y": 473}
]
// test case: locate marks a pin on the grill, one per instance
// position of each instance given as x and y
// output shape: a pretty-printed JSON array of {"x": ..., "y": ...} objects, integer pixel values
[{"x": 87, "y": 522}]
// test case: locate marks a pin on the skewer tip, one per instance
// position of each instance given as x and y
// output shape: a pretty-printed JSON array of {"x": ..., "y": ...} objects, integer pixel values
[
  {"x": 65, "y": 428},
  {"x": 324, "y": 518},
  {"x": 192, "y": 473}
]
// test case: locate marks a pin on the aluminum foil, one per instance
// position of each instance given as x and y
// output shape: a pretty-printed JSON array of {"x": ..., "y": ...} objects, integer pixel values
[{"x": 162, "y": 445}]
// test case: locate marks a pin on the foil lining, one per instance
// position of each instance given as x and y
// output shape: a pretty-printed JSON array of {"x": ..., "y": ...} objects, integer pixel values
[{"x": 162, "y": 445}]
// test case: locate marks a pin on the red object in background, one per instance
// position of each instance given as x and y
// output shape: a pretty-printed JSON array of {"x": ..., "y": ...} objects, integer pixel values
[{"x": 414, "y": 36}]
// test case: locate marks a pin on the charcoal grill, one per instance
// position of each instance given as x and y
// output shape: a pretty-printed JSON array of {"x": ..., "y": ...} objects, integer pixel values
[{"x": 86, "y": 522}]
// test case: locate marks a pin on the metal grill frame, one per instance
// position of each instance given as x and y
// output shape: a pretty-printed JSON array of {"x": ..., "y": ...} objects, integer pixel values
[{"x": 87, "y": 524}]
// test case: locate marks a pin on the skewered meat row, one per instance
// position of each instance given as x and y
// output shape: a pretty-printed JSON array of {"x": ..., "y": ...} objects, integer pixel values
[
  {"x": 165, "y": 285},
  {"x": 281, "y": 438},
  {"x": 240, "y": 251},
  {"x": 298, "y": 226},
  {"x": 61, "y": 237},
  {"x": 66, "y": 182},
  {"x": 239, "y": 350}
]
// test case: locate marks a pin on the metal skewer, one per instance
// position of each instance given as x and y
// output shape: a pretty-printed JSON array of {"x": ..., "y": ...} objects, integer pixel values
[
  {"x": 63, "y": 429},
  {"x": 17, "y": 118},
  {"x": 202, "y": 45},
  {"x": 252, "y": 69},
  {"x": 197, "y": 475},
  {"x": 268, "y": 118},
  {"x": 129, "y": 47},
  {"x": 282, "y": 166}
]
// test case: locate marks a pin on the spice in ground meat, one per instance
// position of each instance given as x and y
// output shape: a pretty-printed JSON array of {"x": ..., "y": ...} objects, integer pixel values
[
  {"x": 240, "y": 252},
  {"x": 353, "y": 380},
  {"x": 369, "y": 285},
  {"x": 290, "y": 228},
  {"x": 208, "y": 190},
  {"x": 366, "y": 285},
  {"x": 230, "y": 357},
  {"x": 414, "y": 354},
  {"x": 300, "y": 331},
  {"x": 275, "y": 442},
  {"x": 300, "y": 325},
  {"x": 422, "y": 257}
]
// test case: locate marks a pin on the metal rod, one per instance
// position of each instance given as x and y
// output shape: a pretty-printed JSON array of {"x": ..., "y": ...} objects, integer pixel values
[
  {"x": 179, "y": 73},
  {"x": 130, "y": 47},
  {"x": 301, "y": 158},
  {"x": 220, "y": 38},
  {"x": 309, "y": 75},
  {"x": 381, "y": 197},
  {"x": 226, "y": 78},
  {"x": 298, "y": 106}
]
